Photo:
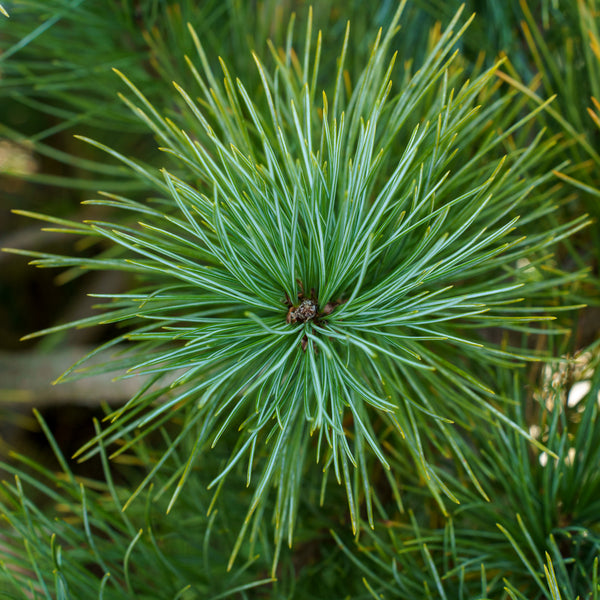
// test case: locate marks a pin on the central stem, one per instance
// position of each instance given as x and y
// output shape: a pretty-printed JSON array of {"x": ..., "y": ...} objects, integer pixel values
[{"x": 307, "y": 310}]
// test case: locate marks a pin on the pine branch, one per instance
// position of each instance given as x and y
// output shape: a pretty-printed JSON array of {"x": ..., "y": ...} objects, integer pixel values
[{"x": 335, "y": 266}]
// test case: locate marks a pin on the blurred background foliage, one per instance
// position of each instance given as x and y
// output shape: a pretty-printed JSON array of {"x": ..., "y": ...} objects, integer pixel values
[{"x": 538, "y": 537}]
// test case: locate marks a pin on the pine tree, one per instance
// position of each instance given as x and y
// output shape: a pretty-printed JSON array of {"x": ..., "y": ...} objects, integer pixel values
[{"x": 355, "y": 259}]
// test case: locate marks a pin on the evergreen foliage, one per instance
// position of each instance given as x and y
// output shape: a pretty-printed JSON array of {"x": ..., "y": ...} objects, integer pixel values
[{"x": 353, "y": 262}]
